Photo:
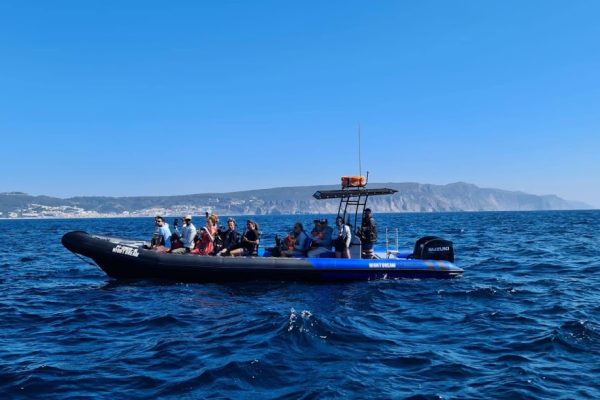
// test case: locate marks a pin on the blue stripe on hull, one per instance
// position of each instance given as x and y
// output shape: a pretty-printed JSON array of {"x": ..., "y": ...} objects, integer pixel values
[{"x": 383, "y": 264}]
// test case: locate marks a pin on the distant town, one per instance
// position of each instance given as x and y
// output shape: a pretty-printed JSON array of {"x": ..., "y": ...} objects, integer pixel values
[{"x": 42, "y": 211}]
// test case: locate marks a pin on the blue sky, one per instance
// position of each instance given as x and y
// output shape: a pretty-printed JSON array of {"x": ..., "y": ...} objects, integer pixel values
[{"x": 156, "y": 98}]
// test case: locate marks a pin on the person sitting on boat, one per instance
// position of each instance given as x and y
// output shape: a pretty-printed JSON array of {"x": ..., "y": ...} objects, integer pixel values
[
  {"x": 367, "y": 233},
  {"x": 287, "y": 243},
  {"x": 342, "y": 238},
  {"x": 203, "y": 244},
  {"x": 231, "y": 238},
  {"x": 188, "y": 233},
  {"x": 321, "y": 238},
  {"x": 301, "y": 242},
  {"x": 162, "y": 234},
  {"x": 250, "y": 241},
  {"x": 218, "y": 241}
]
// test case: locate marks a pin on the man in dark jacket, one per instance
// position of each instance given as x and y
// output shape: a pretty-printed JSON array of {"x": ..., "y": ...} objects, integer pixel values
[{"x": 368, "y": 233}]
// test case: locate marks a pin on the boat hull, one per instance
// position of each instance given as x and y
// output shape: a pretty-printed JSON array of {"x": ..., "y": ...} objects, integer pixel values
[{"x": 127, "y": 259}]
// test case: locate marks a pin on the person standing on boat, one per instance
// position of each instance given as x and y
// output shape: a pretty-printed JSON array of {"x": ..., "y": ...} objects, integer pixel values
[
  {"x": 367, "y": 233},
  {"x": 342, "y": 238},
  {"x": 322, "y": 238},
  {"x": 163, "y": 236}
]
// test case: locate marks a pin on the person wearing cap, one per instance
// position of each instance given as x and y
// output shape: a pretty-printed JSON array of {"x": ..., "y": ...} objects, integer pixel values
[
  {"x": 181, "y": 241},
  {"x": 322, "y": 238},
  {"x": 188, "y": 233},
  {"x": 367, "y": 233}
]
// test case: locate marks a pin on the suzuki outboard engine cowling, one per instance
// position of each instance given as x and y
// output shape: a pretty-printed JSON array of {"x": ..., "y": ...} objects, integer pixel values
[{"x": 433, "y": 248}]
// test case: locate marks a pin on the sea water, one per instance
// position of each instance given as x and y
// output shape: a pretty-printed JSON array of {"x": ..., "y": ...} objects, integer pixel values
[{"x": 522, "y": 322}]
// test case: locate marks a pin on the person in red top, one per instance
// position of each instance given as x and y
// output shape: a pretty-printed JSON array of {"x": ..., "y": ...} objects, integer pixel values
[{"x": 205, "y": 243}]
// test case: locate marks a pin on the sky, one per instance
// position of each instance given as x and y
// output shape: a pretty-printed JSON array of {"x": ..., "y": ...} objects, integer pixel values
[{"x": 123, "y": 98}]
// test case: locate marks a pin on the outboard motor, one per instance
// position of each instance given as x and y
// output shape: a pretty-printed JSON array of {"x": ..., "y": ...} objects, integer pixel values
[{"x": 433, "y": 248}]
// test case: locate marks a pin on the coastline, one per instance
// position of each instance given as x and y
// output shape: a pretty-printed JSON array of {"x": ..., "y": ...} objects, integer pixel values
[{"x": 109, "y": 216}]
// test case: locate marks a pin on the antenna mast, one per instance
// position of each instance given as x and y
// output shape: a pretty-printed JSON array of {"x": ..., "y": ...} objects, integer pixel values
[{"x": 359, "y": 155}]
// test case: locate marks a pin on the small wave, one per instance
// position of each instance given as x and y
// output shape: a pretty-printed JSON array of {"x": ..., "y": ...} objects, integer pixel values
[
  {"x": 513, "y": 358},
  {"x": 452, "y": 370},
  {"x": 217, "y": 378},
  {"x": 408, "y": 361},
  {"x": 540, "y": 343},
  {"x": 480, "y": 292},
  {"x": 573, "y": 336},
  {"x": 592, "y": 270},
  {"x": 424, "y": 397},
  {"x": 497, "y": 263},
  {"x": 517, "y": 383},
  {"x": 512, "y": 318},
  {"x": 32, "y": 380},
  {"x": 424, "y": 319},
  {"x": 161, "y": 321},
  {"x": 302, "y": 322},
  {"x": 554, "y": 309},
  {"x": 579, "y": 336}
]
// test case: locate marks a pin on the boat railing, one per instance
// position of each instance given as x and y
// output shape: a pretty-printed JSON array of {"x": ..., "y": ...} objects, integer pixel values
[{"x": 388, "y": 250}]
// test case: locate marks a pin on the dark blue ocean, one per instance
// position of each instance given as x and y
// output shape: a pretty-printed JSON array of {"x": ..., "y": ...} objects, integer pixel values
[{"x": 523, "y": 322}]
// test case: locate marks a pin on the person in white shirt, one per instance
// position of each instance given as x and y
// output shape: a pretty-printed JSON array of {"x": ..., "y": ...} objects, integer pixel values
[
  {"x": 188, "y": 233},
  {"x": 341, "y": 238}
]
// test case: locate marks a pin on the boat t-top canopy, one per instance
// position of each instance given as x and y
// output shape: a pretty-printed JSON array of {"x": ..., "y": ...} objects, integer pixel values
[
  {"x": 354, "y": 197},
  {"x": 348, "y": 193}
]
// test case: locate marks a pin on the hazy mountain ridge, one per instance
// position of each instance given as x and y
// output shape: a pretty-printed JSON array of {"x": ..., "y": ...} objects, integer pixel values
[{"x": 411, "y": 197}]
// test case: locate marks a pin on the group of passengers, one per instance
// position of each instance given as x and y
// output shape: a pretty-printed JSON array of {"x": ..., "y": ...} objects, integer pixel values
[
  {"x": 208, "y": 240},
  {"x": 212, "y": 240}
]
